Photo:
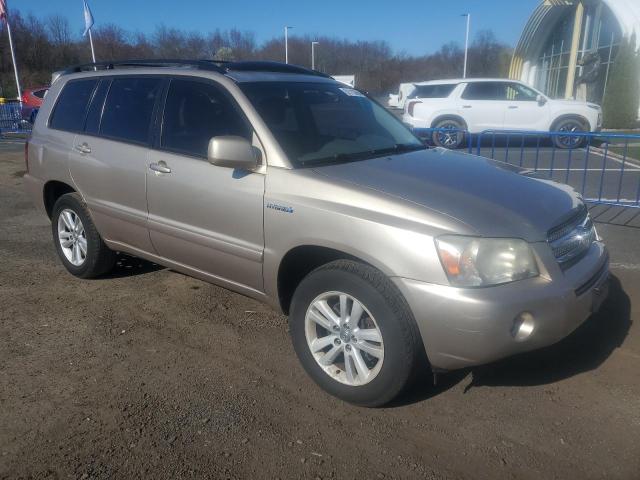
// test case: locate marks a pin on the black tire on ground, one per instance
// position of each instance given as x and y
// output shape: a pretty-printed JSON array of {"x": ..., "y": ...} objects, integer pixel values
[
  {"x": 99, "y": 258},
  {"x": 569, "y": 125},
  {"x": 403, "y": 348},
  {"x": 450, "y": 140}
]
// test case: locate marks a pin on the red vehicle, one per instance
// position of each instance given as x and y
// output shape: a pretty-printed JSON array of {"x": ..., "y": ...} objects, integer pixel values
[{"x": 32, "y": 97}]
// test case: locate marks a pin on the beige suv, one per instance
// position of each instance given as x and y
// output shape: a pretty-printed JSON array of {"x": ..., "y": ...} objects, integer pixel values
[{"x": 284, "y": 185}]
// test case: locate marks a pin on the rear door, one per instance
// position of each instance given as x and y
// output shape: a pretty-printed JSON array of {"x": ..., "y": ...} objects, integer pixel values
[
  {"x": 109, "y": 158},
  {"x": 66, "y": 120},
  {"x": 482, "y": 105},
  {"x": 203, "y": 216}
]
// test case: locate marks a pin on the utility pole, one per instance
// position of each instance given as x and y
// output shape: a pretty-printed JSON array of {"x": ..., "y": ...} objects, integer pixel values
[
  {"x": 286, "y": 44},
  {"x": 466, "y": 44},
  {"x": 313, "y": 54}
]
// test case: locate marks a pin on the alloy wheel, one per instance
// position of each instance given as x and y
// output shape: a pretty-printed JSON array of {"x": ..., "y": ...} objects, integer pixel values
[
  {"x": 344, "y": 338},
  {"x": 448, "y": 135},
  {"x": 570, "y": 128},
  {"x": 72, "y": 237}
]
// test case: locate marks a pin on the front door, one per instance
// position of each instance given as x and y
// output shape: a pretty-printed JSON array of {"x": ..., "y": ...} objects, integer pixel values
[
  {"x": 523, "y": 110},
  {"x": 202, "y": 216}
]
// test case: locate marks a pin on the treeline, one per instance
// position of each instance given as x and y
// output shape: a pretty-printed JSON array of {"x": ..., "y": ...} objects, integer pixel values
[{"x": 46, "y": 45}]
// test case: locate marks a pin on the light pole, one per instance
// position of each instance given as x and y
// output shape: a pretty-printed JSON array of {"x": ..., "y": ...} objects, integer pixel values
[
  {"x": 313, "y": 54},
  {"x": 286, "y": 44},
  {"x": 466, "y": 44}
]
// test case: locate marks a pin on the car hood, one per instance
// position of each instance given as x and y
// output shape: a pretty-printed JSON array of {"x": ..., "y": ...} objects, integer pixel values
[
  {"x": 572, "y": 103},
  {"x": 492, "y": 198}
]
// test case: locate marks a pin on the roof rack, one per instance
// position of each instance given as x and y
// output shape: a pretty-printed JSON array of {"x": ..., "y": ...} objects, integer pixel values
[
  {"x": 275, "y": 67},
  {"x": 219, "y": 66},
  {"x": 112, "y": 65}
]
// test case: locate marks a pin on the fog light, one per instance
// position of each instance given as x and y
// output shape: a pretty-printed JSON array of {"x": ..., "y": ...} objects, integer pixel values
[{"x": 523, "y": 326}]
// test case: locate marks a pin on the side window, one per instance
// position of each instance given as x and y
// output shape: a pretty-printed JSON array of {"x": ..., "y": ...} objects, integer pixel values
[
  {"x": 71, "y": 107},
  {"x": 40, "y": 93},
  {"x": 92, "y": 125},
  {"x": 484, "y": 91},
  {"x": 194, "y": 113},
  {"x": 129, "y": 108},
  {"x": 520, "y": 93},
  {"x": 433, "y": 91}
]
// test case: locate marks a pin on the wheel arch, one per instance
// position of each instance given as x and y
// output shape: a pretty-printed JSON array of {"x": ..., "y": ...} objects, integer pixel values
[
  {"x": 571, "y": 116},
  {"x": 53, "y": 190},
  {"x": 449, "y": 116},
  {"x": 301, "y": 260}
]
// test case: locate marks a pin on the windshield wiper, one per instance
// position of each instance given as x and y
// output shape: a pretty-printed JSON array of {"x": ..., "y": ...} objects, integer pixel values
[
  {"x": 401, "y": 148},
  {"x": 337, "y": 158},
  {"x": 364, "y": 155}
]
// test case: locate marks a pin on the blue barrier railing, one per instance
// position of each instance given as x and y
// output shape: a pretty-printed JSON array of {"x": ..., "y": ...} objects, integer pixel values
[
  {"x": 16, "y": 118},
  {"x": 604, "y": 167}
]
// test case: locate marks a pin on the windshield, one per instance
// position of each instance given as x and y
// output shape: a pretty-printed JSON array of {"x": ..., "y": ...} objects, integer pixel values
[{"x": 318, "y": 123}]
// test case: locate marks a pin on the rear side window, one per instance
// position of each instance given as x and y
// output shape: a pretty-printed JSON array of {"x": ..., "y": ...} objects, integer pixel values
[
  {"x": 433, "y": 91},
  {"x": 71, "y": 108},
  {"x": 129, "y": 108},
  {"x": 485, "y": 91},
  {"x": 40, "y": 93},
  {"x": 194, "y": 113}
]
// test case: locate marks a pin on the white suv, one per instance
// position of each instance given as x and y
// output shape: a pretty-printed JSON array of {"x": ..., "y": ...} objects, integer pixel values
[{"x": 478, "y": 105}]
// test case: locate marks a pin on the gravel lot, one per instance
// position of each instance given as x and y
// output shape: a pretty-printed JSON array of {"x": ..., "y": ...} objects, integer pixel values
[{"x": 148, "y": 373}]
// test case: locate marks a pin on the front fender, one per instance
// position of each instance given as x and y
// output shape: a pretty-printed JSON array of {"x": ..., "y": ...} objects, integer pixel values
[{"x": 304, "y": 209}]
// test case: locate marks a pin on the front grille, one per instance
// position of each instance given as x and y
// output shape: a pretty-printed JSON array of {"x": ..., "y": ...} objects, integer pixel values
[{"x": 571, "y": 239}]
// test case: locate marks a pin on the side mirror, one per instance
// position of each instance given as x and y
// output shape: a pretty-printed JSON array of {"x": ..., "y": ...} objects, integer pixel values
[
  {"x": 233, "y": 152},
  {"x": 541, "y": 100}
]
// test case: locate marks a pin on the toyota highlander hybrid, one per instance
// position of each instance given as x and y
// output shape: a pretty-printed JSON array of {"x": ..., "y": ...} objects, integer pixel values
[{"x": 284, "y": 185}]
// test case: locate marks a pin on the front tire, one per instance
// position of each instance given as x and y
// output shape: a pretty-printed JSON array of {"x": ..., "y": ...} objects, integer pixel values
[
  {"x": 569, "y": 126},
  {"x": 354, "y": 333},
  {"x": 78, "y": 243}
]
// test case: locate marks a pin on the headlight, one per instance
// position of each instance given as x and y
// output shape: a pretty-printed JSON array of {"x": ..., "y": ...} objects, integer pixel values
[{"x": 481, "y": 262}]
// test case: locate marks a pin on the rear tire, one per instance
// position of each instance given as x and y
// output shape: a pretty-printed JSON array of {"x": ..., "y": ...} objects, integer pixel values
[
  {"x": 445, "y": 139},
  {"x": 78, "y": 243},
  {"x": 569, "y": 125},
  {"x": 376, "y": 354}
]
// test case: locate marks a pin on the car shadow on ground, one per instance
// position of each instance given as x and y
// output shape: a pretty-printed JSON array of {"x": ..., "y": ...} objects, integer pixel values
[
  {"x": 585, "y": 349},
  {"x": 128, "y": 266}
]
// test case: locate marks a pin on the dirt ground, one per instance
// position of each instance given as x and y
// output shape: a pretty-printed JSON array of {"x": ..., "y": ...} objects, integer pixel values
[{"x": 148, "y": 373}]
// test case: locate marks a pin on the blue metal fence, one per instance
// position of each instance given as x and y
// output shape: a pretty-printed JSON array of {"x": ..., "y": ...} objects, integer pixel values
[
  {"x": 15, "y": 118},
  {"x": 604, "y": 167}
]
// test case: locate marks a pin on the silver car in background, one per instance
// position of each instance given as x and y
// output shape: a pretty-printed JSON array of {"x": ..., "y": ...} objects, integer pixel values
[{"x": 282, "y": 184}]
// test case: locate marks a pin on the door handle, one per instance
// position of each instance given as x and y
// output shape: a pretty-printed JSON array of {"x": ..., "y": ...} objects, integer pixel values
[
  {"x": 513, "y": 107},
  {"x": 466, "y": 106},
  {"x": 83, "y": 148},
  {"x": 160, "y": 167}
]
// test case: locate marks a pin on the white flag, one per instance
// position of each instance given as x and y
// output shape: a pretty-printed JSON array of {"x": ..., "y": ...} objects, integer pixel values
[{"x": 88, "y": 18}]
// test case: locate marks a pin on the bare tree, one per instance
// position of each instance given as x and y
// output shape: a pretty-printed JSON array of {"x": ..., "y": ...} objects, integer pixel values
[{"x": 43, "y": 46}]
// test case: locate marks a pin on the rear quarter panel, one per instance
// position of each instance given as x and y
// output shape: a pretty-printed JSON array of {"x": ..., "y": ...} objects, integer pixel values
[{"x": 48, "y": 151}]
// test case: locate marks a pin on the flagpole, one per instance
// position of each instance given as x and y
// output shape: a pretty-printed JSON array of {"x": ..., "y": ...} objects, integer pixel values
[
  {"x": 93, "y": 53},
  {"x": 13, "y": 58}
]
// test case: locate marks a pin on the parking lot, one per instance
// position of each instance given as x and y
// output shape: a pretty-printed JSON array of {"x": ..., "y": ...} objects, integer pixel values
[
  {"x": 593, "y": 171},
  {"x": 151, "y": 373}
]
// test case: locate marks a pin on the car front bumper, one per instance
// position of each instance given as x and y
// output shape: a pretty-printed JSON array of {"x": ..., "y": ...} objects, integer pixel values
[{"x": 466, "y": 327}]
